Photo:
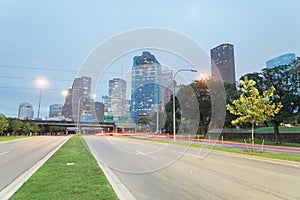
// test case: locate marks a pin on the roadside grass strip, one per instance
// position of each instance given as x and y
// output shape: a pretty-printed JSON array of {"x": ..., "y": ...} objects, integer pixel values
[
  {"x": 9, "y": 138},
  {"x": 284, "y": 144},
  {"x": 272, "y": 155},
  {"x": 71, "y": 173}
]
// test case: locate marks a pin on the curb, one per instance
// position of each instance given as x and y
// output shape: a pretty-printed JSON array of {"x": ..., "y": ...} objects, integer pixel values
[
  {"x": 13, "y": 187},
  {"x": 120, "y": 189}
]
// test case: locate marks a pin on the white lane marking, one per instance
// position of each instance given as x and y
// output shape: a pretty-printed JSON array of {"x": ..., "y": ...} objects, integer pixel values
[
  {"x": 3, "y": 153},
  {"x": 144, "y": 154}
]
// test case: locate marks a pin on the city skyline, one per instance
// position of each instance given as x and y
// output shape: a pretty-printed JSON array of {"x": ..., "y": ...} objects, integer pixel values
[
  {"x": 35, "y": 42},
  {"x": 79, "y": 83}
]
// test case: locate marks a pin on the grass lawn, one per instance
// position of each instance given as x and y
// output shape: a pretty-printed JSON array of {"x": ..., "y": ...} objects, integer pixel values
[
  {"x": 71, "y": 173},
  {"x": 274, "y": 155},
  {"x": 8, "y": 138},
  {"x": 282, "y": 129},
  {"x": 284, "y": 144}
]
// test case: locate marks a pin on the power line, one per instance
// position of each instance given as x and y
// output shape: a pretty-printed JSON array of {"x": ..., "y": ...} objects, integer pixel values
[
  {"x": 34, "y": 88},
  {"x": 28, "y": 88},
  {"x": 26, "y": 78},
  {"x": 52, "y": 69},
  {"x": 38, "y": 68}
]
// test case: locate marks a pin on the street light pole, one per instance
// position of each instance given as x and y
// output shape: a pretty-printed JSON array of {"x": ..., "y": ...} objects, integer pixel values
[
  {"x": 173, "y": 85},
  {"x": 40, "y": 83},
  {"x": 157, "y": 113},
  {"x": 78, "y": 111},
  {"x": 38, "y": 116}
]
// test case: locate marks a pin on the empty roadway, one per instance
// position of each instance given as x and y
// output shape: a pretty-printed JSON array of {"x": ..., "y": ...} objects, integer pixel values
[{"x": 153, "y": 170}]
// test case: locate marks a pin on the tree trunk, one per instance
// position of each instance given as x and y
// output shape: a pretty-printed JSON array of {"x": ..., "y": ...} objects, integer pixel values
[
  {"x": 276, "y": 132},
  {"x": 205, "y": 129},
  {"x": 252, "y": 137}
]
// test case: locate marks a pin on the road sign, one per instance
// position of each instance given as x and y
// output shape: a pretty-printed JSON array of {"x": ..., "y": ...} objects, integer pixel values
[
  {"x": 109, "y": 118},
  {"x": 122, "y": 118}
]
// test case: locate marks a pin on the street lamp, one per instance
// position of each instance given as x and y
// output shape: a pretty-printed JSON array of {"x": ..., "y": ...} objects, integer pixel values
[
  {"x": 174, "y": 117},
  {"x": 78, "y": 112},
  {"x": 41, "y": 83}
]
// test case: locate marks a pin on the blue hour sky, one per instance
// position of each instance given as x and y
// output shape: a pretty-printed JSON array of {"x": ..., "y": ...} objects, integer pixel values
[{"x": 53, "y": 38}]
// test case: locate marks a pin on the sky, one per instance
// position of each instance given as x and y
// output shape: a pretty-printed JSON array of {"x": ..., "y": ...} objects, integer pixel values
[{"x": 53, "y": 38}]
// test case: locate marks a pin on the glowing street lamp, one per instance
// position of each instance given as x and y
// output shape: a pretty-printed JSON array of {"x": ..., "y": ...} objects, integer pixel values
[
  {"x": 174, "y": 117},
  {"x": 41, "y": 83},
  {"x": 65, "y": 93}
]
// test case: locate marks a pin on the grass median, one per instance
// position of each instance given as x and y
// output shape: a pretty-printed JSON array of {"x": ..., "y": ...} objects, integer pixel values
[{"x": 71, "y": 173}]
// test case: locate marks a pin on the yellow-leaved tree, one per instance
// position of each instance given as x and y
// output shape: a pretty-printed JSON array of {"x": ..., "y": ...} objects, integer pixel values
[{"x": 252, "y": 106}]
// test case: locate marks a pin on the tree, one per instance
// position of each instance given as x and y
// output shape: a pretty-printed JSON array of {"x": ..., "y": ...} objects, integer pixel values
[
  {"x": 260, "y": 83},
  {"x": 168, "y": 127},
  {"x": 3, "y": 124},
  {"x": 203, "y": 95},
  {"x": 294, "y": 72},
  {"x": 231, "y": 94},
  {"x": 143, "y": 120},
  {"x": 161, "y": 121},
  {"x": 259, "y": 80},
  {"x": 286, "y": 84},
  {"x": 35, "y": 128},
  {"x": 286, "y": 81},
  {"x": 27, "y": 128},
  {"x": 252, "y": 106},
  {"x": 16, "y": 125},
  {"x": 194, "y": 105}
]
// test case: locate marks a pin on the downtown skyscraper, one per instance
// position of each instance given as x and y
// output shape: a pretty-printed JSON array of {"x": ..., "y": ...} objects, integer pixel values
[
  {"x": 166, "y": 86},
  {"x": 55, "y": 111},
  {"x": 145, "y": 86},
  {"x": 78, "y": 104},
  {"x": 117, "y": 97},
  {"x": 25, "y": 111},
  {"x": 222, "y": 61},
  {"x": 284, "y": 59}
]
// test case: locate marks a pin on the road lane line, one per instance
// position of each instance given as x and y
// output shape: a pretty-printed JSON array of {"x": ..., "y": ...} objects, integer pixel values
[
  {"x": 3, "y": 153},
  {"x": 144, "y": 154}
]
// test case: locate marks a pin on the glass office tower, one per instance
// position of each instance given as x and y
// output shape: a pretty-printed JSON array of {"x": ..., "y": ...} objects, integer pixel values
[{"x": 145, "y": 88}]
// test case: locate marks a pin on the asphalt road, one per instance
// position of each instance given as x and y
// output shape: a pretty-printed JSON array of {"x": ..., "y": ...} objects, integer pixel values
[
  {"x": 160, "y": 171},
  {"x": 18, "y": 156}
]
